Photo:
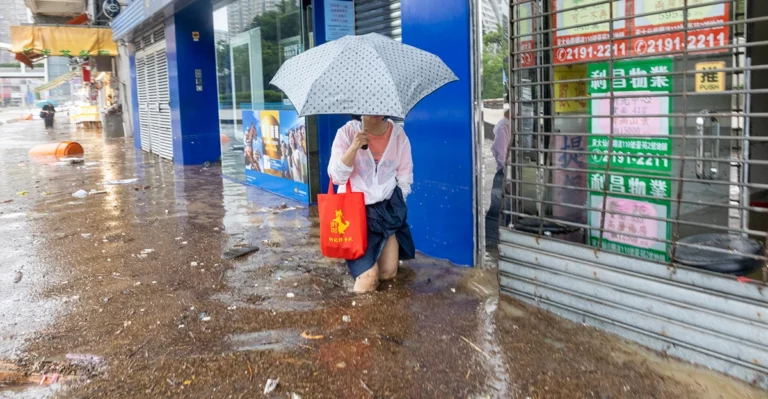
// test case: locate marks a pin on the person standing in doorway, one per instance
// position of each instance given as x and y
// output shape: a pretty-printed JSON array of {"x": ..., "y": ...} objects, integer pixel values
[{"x": 502, "y": 137}]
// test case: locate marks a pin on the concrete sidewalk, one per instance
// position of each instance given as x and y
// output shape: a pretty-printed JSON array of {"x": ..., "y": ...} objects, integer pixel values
[{"x": 125, "y": 294}]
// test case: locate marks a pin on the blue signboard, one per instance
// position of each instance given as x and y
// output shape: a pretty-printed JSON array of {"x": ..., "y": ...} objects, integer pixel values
[{"x": 276, "y": 152}]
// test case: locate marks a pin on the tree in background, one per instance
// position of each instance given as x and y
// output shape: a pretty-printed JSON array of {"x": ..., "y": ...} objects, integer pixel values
[
  {"x": 495, "y": 60},
  {"x": 276, "y": 26}
]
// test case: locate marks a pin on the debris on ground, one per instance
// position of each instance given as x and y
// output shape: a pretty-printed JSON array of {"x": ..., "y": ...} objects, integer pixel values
[
  {"x": 97, "y": 192},
  {"x": 70, "y": 161},
  {"x": 290, "y": 295},
  {"x": 306, "y": 335},
  {"x": 119, "y": 182},
  {"x": 18, "y": 277},
  {"x": 204, "y": 316},
  {"x": 235, "y": 253},
  {"x": 88, "y": 360},
  {"x": 475, "y": 347},
  {"x": 270, "y": 386},
  {"x": 22, "y": 193},
  {"x": 370, "y": 392},
  {"x": 346, "y": 319},
  {"x": 87, "y": 236},
  {"x": 80, "y": 194}
]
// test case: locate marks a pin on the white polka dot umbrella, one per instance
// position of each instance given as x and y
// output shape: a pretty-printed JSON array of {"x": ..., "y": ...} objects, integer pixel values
[{"x": 363, "y": 75}]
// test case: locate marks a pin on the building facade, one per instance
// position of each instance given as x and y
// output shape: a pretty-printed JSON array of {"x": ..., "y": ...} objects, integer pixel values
[
  {"x": 240, "y": 13},
  {"x": 14, "y": 12},
  {"x": 494, "y": 15}
]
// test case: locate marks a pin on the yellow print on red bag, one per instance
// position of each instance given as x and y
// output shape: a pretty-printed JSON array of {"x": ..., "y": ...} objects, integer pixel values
[{"x": 339, "y": 225}]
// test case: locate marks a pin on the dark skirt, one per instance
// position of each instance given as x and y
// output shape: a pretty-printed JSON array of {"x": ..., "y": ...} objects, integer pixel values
[{"x": 385, "y": 218}]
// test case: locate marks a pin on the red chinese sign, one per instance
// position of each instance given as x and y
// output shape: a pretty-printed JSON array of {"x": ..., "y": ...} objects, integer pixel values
[
  {"x": 669, "y": 25},
  {"x": 524, "y": 15},
  {"x": 578, "y": 26},
  {"x": 582, "y": 31}
]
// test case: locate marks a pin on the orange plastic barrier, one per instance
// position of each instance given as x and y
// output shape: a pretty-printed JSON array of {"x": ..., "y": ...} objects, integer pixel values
[{"x": 65, "y": 149}]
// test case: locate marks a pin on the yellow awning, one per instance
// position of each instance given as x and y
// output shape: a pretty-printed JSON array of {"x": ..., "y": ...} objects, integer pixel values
[
  {"x": 58, "y": 81},
  {"x": 67, "y": 41}
]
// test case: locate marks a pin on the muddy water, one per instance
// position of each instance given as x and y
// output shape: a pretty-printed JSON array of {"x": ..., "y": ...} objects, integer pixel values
[{"x": 135, "y": 275}]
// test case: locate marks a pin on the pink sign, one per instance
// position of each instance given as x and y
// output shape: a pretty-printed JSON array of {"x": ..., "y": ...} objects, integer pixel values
[
  {"x": 634, "y": 220},
  {"x": 637, "y": 122}
]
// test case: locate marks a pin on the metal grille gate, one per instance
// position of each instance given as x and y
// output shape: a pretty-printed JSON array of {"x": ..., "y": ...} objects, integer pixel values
[
  {"x": 636, "y": 183},
  {"x": 153, "y": 93}
]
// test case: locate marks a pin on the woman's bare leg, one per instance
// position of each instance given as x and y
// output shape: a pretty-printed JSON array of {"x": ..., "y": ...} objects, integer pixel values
[
  {"x": 388, "y": 260},
  {"x": 368, "y": 281}
]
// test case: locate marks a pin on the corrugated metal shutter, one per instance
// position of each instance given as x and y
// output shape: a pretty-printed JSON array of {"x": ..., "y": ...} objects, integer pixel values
[
  {"x": 153, "y": 93},
  {"x": 380, "y": 16},
  {"x": 143, "y": 97}
]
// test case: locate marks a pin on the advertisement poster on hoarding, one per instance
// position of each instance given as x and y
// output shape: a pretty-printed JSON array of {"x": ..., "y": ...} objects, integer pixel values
[
  {"x": 702, "y": 17},
  {"x": 587, "y": 39},
  {"x": 523, "y": 12},
  {"x": 641, "y": 144},
  {"x": 276, "y": 152}
]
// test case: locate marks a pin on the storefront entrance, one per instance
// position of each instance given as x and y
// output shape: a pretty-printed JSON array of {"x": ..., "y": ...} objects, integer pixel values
[{"x": 632, "y": 187}]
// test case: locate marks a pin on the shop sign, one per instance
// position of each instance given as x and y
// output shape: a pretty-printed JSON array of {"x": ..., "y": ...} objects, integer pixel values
[
  {"x": 661, "y": 20},
  {"x": 570, "y": 89},
  {"x": 699, "y": 36},
  {"x": 523, "y": 12},
  {"x": 640, "y": 143},
  {"x": 707, "y": 81},
  {"x": 587, "y": 39},
  {"x": 630, "y": 223},
  {"x": 639, "y": 140}
]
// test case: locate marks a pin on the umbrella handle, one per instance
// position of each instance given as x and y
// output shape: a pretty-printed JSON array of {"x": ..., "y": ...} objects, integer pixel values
[{"x": 362, "y": 121}]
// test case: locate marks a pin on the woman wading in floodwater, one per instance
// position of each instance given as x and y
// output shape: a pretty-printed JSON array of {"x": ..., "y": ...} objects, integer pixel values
[{"x": 383, "y": 172}]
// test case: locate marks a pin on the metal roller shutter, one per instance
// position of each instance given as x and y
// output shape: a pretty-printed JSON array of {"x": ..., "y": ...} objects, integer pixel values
[
  {"x": 635, "y": 185},
  {"x": 154, "y": 94},
  {"x": 380, "y": 16}
]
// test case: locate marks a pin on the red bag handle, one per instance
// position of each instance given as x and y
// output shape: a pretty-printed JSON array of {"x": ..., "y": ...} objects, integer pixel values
[{"x": 330, "y": 187}]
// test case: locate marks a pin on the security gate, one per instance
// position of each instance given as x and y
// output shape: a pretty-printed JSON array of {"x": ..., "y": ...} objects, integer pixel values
[
  {"x": 637, "y": 180},
  {"x": 153, "y": 93},
  {"x": 379, "y": 16}
]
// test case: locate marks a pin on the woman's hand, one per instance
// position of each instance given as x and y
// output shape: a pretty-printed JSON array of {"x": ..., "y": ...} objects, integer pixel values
[{"x": 361, "y": 139}]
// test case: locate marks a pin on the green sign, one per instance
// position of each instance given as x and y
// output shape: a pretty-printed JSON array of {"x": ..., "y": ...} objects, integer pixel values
[
  {"x": 629, "y": 117},
  {"x": 630, "y": 225},
  {"x": 640, "y": 142}
]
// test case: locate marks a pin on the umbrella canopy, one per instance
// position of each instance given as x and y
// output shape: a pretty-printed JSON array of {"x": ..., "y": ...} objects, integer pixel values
[
  {"x": 363, "y": 75},
  {"x": 43, "y": 103}
]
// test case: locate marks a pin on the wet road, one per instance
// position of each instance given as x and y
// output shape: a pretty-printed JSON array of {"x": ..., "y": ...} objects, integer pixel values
[{"x": 124, "y": 293}]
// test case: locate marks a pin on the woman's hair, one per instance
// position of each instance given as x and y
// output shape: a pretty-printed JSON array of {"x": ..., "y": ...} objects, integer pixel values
[{"x": 359, "y": 118}]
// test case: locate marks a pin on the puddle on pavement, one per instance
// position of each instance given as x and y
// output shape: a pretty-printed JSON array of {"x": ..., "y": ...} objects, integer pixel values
[{"x": 272, "y": 340}]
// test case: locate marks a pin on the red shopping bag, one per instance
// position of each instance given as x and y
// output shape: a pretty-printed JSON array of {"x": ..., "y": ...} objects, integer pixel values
[{"x": 343, "y": 227}]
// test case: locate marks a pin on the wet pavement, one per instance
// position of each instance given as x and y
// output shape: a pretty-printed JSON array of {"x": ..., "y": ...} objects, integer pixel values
[{"x": 125, "y": 293}]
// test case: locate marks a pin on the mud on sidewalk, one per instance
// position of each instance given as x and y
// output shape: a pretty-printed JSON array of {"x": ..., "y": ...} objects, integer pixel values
[{"x": 132, "y": 298}]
